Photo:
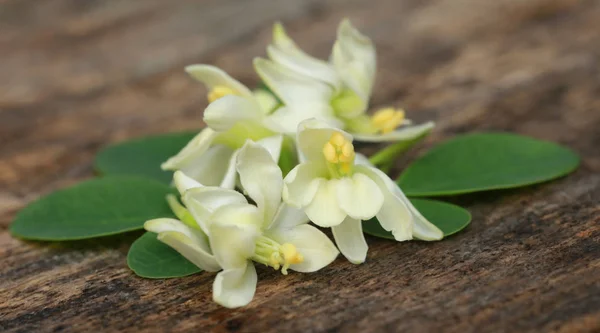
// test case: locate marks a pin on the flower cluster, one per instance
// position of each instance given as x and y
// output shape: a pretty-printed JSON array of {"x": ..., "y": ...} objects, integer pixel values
[{"x": 305, "y": 128}]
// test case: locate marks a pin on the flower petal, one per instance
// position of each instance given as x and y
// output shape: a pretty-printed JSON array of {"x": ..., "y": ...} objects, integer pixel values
[
  {"x": 229, "y": 179},
  {"x": 316, "y": 248},
  {"x": 288, "y": 217},
  {"x": 398, "y": 214},
  {"x": 229, "y": 110},
  {"x": 402, "y": 134},
  {"x": 261, "y": 178},
  {"x": 193, "y": 150},
  {"x": 285, "y": 52},
  {"x": 354, "y": 59},
  {"x": 312, "y": 136},
  {"x": 290, "y": 87},
  {"x": 350, "y": 240},
  {"x": 287, "y": 118},
  {"x": 302, "y": 182},
  {"x": 190, "y": 243},
  {"x": 324, "y": 210},
  {"x": 273, "y": 145},
  {"x": 235, "y": 287},
  {"x": 212, "y": 76},
  {"x": 183, "y": 182},
  {"x": 265, "y": 100},
  {"x": 202, "y": 202},
  {"x": 210, "y": 168},
  {"x": 233, "y": 231},
  {"x": 359, "y": 196}
]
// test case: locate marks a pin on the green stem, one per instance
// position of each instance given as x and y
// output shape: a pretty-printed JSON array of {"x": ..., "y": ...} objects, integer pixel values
[{"x": 387, "y": 154}]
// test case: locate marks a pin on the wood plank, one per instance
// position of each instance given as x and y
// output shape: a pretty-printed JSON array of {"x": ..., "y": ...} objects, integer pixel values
[{"x": 80, "y": 76}]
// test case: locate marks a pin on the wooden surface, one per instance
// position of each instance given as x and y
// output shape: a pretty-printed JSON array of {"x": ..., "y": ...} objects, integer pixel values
[{"x": 77, "y": 75}]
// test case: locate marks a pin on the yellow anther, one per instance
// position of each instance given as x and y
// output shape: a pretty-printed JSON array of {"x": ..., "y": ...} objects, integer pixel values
[
  {"x": 291, "y": 254},
  {"x": 347, "y": 154},
  {"x": 339, "y": 154},
  {"x": 330, "y": 153},
  {"x": 219, "y": 91},
  {"x": 388, "y": 119},
  {"x": 337, "y": 139}
]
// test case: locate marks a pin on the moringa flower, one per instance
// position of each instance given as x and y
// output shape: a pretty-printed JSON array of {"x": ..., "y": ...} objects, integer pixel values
[
  {"x": 337, "y": 92},
  {"x": 239, "y": 233},
  {"x": 234, "y": 115},
  {"x": 337, "y": 189}
]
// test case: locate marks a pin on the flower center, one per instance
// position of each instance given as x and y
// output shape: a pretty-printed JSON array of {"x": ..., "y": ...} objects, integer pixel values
[
  {"x": 347, "y": 104},
  {"x": 271, "y": 253},
  {"x": 219, "y": 91},
  {"x": 339, "y": 154},
  {"x": 387, "y": 120}
]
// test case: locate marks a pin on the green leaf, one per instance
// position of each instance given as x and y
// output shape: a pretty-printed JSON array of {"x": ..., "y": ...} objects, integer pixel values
[
  {"x": 142, "y": 157},
  {"x": 486, "y": 161},
  {"x": 150, "y": 258},
  {"x": 448, "y": 217},
  {"x": 94, "y": 208}
]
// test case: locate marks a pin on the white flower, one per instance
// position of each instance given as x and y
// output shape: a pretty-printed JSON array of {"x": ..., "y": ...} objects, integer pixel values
[
  {"x": 338, "y": 189},
  {"x": 234, "y": 115},
  {"x": 188, "y": 235},
  {"x": 337, "y": 92},
  {"x": 270, "y": 232}
]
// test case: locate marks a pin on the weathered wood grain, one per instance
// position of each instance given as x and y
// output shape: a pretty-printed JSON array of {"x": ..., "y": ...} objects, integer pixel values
[{"x": 78, "y": 75}]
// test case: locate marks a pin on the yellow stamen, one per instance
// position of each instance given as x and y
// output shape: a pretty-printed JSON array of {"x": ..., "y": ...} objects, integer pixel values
[
  {"x": 330, "y": 153},
  {"x": 219, "y": 91},
  {"x": 339, "y": 154},
  {"x": 290, "y": 256},
  {"x": 387, "y": 120},
  {"x": 267, "y": 251}
]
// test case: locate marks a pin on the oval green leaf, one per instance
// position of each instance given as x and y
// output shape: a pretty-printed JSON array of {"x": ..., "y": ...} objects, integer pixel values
[
  {"x": 150, "y": 258},
  {"x": 486, "y": 161},
  {"x": 94, "y": 208},
  {"x": 448, "y": 217},
  {"x": 142, "y": 157}
]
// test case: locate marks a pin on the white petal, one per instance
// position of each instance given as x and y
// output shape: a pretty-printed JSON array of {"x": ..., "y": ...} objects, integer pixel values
[
  {"x": 202, "y": 202},
  {"x": 288, "y": 217},
  {"x": 354, "y": 59},
  {"x": 229, "y": 178},
  {"x": 286, "y": 53},
  {"x": 394, "y": 215},
  {"x": 273, "y": 145},
  {"x": 183, "y": 182},
  {"x": 301, "y": 183},
  {"x": 359, "y": 196},
  {"x": 312, "y": 136},
  {"x": 233, "y": 231},
  {"x": 190, "y": 243},
  {"x": 212, "y": 76},
  {"x": 265, "y": 100},
  {"x": 406, "y": 133},
  {"x": 287, "y": 118},
  {"x": 350, "y": 240},
  {"x": 234, "y": 288},
  {"x": 361, "y": 159},
  {"x": 324, "y": 210},
  {"x": 261, "y": 178},
  {"x": 290, "y": 87},
  {"x": 209, "y": 168},
  {"x": 422, "y": 228},
  {"x": 193, "y": 150},
  {"x": 316, "y": 248},
  {"x": 229, "y": 110}
]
